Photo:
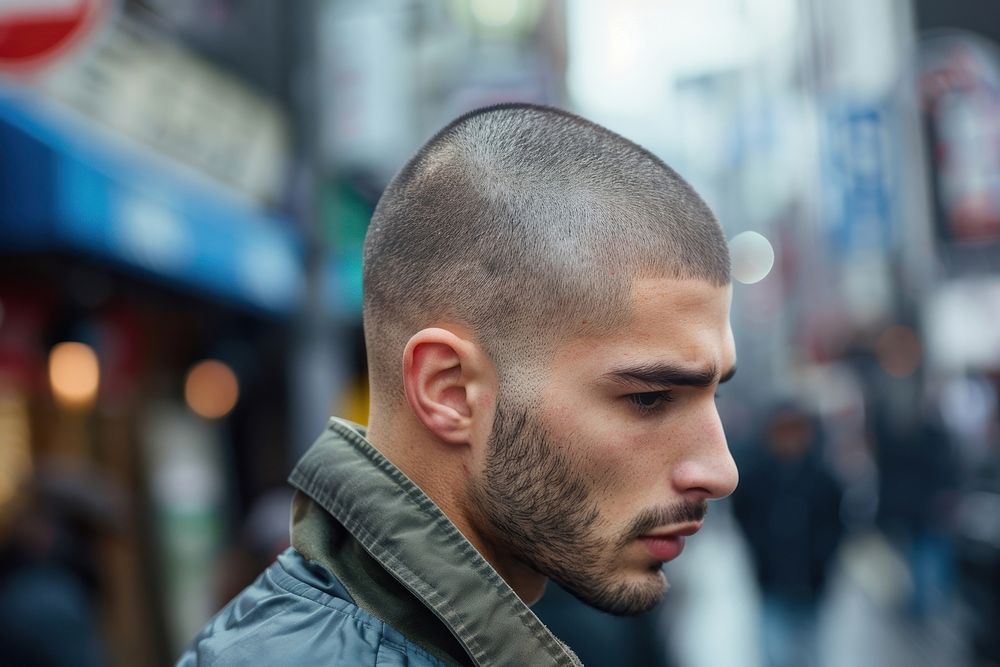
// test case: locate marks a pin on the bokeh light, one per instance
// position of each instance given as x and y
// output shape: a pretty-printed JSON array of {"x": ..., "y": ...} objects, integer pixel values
[
  {"x": 211, "y": 389},
  {"x": 752, "y": 257},
  {"x": 74, "y": 374}
]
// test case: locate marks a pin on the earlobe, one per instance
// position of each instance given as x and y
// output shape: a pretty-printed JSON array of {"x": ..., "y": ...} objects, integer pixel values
[{"x": 435, "y": 378}]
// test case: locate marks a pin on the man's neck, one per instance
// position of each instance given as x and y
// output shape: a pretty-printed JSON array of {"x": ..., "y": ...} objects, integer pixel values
[{"x": 441, "y": 472}]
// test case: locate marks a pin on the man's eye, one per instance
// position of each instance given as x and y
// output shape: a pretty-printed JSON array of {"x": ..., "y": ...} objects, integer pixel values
[{"x": 650, "y": 401}]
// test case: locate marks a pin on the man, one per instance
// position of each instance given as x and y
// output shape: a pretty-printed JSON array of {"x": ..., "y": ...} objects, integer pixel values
[{"x": 547, "y": 320}]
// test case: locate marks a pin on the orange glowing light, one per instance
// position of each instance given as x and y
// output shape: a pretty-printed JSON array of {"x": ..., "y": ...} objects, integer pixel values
[
  {"x": 74, "y": 374},
  {"x": 211, "y": 389}
]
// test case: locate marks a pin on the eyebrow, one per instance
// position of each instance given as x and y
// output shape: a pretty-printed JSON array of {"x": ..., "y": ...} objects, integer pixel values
[{"x": 670, "y": 375}]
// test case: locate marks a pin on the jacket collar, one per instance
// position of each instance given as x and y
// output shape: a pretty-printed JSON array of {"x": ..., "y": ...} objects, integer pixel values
[{"x": 402, "y": 528}]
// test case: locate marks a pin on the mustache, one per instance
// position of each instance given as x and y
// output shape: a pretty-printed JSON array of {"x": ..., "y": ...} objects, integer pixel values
[{"x": 682, "y": 512}]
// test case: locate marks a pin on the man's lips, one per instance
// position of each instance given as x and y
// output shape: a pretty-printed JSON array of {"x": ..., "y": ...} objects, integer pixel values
[
  {"x": 666, "y": 545},
  {"x": 684, "y": 530}
]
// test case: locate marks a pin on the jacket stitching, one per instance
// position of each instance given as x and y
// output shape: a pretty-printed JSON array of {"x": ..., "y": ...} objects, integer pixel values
[
  {"x": 350, "y": 613},
  {"x": 289, "y": 583}
]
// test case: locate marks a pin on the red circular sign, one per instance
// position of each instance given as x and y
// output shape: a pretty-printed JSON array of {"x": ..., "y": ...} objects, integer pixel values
[{"x": 35, "y": 32}]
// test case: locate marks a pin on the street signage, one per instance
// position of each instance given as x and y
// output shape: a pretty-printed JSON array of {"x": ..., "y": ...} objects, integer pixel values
[{"x": 34, "y": 33}]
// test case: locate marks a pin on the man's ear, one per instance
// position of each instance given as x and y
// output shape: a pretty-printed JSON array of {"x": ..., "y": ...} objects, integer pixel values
[{"x": 445, "y": 378}]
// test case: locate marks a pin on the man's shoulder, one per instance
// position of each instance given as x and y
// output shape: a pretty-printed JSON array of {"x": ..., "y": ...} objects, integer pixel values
[{"x": 298, "y": 612}]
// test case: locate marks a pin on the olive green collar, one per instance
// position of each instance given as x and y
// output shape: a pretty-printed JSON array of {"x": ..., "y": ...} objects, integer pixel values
[
  {"x": 417, "y": 544},
  {"x": 320, "y": 538}
]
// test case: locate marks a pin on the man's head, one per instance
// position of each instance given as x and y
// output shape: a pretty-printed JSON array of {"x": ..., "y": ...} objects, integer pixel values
[{"x": 546, "y": 304}]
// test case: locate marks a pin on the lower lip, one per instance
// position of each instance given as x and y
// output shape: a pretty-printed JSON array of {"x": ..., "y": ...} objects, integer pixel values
[{"x": 664, "y": 548}]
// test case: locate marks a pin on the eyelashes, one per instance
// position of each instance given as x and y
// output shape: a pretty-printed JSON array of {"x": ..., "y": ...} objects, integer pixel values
[{"x": 649, "y": 402}]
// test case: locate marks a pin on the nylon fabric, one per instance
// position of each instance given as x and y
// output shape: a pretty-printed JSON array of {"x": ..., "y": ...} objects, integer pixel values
[{"x": 297, "y": 613}]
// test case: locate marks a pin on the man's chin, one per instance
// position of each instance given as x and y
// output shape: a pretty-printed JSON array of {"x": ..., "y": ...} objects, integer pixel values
[{"x": 636, "y": 594}]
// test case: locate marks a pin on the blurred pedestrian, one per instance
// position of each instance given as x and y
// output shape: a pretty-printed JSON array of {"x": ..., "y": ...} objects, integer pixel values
[
  {"x": 788, "y": 506},
  {"x": 918, "y": 482},
  {"x": 49, "y": 574},
  {"x": 547, "y": 321}
]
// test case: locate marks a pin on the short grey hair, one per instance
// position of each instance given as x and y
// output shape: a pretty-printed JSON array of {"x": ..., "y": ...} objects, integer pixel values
[{"x": 527, "y": 224}]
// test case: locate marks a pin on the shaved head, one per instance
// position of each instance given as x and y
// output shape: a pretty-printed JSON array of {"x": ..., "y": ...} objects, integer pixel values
[{"x": 528, "y": 225}]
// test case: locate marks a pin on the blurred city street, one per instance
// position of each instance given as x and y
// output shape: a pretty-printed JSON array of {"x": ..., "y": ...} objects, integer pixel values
[
  {"x": 185, "y": 192},
  {"x": 863, "y": 621}
]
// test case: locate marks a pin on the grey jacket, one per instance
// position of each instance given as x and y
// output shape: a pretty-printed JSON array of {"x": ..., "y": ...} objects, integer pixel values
[{"x": 376, "y": 575}]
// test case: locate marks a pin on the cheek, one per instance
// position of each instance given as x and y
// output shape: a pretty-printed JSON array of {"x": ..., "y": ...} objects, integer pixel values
[
  {"x": 613, "y": 466},
  {"x": 633, "y": 461},
  {"x": 617, "y": 456}
]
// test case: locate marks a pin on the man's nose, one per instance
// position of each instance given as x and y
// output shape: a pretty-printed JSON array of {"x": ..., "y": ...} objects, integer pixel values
[{"x": 706, "y": 470}]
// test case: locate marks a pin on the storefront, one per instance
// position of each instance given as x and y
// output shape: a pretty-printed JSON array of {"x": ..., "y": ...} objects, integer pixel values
[{"x": 145, "y": 319}]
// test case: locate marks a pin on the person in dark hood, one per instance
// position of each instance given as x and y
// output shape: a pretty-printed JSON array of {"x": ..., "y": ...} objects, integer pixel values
[{"x": 788, "y": 506}]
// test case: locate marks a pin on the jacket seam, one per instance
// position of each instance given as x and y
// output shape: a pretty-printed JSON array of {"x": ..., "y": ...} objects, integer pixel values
[
  {"x": 352, "y": 613},
  {"x": 405, "y": 649},
  {"x": 289, "y": 583}
]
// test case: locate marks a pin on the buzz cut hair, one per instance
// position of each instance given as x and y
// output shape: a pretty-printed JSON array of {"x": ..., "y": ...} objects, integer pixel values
[{"x": 528, "y": 225}]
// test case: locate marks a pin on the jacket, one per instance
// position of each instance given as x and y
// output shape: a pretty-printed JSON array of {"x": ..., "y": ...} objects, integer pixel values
[{"x": 376, "y": 575}]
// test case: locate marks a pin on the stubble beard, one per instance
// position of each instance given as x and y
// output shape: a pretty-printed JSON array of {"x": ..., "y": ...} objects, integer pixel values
[{"x": 540, "y": 507}]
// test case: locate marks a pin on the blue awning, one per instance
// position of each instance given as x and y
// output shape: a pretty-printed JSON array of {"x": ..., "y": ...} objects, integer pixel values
[{"x": 66, "y": 184}]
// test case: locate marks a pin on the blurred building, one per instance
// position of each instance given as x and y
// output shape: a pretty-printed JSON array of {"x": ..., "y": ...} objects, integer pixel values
[{"x": 150, "y": 289}]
